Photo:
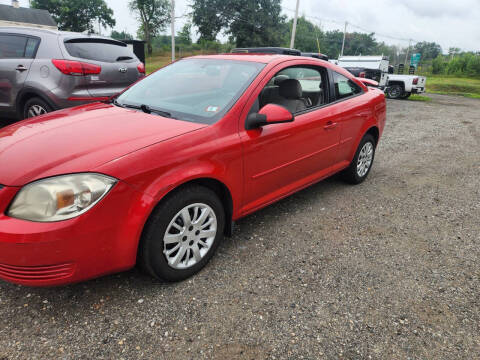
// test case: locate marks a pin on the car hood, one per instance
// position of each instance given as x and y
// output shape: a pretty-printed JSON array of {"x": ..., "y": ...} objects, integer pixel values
[{"x": 79, "y": 140}]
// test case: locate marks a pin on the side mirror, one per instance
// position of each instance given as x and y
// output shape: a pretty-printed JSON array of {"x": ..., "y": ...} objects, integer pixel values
[{"x": 269, "y": 114}]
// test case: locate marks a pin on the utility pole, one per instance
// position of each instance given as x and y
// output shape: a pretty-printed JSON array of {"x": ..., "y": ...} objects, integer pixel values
[
  {"x": 173, "y": 30},
  {"x": 408, "y": 50},
  {"x": 294, "y": 29},
  {"x": 344, "y": 35}
]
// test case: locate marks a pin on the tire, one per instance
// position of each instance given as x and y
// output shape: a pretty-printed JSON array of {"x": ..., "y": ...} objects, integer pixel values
[
  {"x": 357, "y": 173},
  {"x": 395, "y": 91},
  {"x": 169, "y": 220},
  {"x": 406, "y": 95},
  {"x": 35, "y": 107}
]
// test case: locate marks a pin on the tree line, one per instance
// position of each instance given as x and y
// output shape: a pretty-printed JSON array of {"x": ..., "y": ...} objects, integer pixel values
[{"x": 246, "y": 23}]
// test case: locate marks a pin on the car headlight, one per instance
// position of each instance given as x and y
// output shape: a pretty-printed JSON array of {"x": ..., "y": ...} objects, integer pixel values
[{"x": 60, "y": 197}]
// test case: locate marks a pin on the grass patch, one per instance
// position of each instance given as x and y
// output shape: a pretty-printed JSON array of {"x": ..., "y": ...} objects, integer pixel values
[
  {"x": 454, "y": 86},
  {"x": 415, "y": 97}
]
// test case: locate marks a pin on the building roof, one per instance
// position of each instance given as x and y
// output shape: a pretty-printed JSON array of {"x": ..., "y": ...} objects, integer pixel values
[{"x": 26, "y": 15}]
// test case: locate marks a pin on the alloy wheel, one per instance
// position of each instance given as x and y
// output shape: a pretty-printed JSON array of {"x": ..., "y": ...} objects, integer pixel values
[{"x": 36, "y": 110}]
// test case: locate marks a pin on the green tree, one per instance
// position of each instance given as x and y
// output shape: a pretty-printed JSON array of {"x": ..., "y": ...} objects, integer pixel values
[
  {"x": 255, "y": 23},
  {"x": 79, "y": 16},
  {"x": 306, "y": 35},
  {"x": 153, "y": 15},
  {"x": 123, "y": 35},
  {"x": 429, "y": 50},
  {"x": 185, "y": 35},
  {"x": 208, "y": 17},
  {"x": 438, "y": 65}
]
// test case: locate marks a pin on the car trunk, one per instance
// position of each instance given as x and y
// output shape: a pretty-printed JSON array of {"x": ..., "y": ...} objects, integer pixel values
[{"x": 117, "y": 61}]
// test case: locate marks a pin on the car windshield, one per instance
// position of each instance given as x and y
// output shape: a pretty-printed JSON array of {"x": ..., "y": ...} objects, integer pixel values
[{"x": 197, "y": 90}]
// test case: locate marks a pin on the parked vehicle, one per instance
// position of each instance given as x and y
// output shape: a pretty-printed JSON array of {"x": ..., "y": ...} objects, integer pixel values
[
  {"x": 44, "y": 70},
  {"x": 396, "y": 86},
  {"x": 370, "y": 67},
  {"x": 402, "y": 86},
  {"x": 160, "y": 174}
]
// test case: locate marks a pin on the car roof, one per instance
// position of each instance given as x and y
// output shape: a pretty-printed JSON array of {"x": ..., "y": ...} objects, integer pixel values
[
  {"x": 32, "y": 30},
  {"x": 260, "y": 58}
]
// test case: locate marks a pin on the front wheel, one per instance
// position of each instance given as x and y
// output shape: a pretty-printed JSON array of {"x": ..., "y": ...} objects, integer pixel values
[
  {"x": 362, "y": 162},
  {"x": 182, "y": 234}
]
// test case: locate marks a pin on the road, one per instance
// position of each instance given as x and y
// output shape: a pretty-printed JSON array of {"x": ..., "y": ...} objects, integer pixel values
[{"x": 388, "y": 269}]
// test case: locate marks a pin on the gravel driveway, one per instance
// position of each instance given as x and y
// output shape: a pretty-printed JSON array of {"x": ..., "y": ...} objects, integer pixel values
[{"x": 389, "y": 269}]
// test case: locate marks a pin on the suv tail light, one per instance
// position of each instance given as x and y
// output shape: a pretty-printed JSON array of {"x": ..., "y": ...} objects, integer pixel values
[
  {"x": 362, "y": 74},
  {"x": 76, "y": 68},
  {"x": 141, "y": 68},
  {"x": 415, "y": 81}
]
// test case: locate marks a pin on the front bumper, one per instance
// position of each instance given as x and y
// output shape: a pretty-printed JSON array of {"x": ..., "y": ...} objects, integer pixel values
[{"x": 101, "y": 241}]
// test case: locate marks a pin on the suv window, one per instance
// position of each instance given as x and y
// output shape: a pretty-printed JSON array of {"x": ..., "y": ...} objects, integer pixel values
[
  {"x": 31, "y": 48},
  {"x": 12, "y": 46},
  {"x": 344, "y": 87},
  {"x": 99, "y": 50}
]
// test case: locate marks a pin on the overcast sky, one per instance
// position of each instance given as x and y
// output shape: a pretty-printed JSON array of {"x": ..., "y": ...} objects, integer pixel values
[{"x": 447, "y": 22}]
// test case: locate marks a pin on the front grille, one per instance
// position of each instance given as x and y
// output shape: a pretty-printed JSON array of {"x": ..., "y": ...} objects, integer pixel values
[{"x": 36, "y": 273}]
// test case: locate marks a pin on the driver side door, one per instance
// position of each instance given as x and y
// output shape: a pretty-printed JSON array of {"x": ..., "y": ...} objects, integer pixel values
[{"x": 279, "y": 159}]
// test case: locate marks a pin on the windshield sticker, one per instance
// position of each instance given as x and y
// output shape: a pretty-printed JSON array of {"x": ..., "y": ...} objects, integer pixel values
[{"x": 212, "y": 109}]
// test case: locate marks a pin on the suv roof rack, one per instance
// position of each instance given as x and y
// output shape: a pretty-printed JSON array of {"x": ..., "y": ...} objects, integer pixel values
[
  {"x": 316, "y": 55},
  {"x": 268, "y": 50},
  {"x": 280, "y": 51}
]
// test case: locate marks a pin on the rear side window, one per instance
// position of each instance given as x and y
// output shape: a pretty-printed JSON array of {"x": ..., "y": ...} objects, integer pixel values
[
  {"x": 104, "y": 51},
  {"x": 344, "y": 87},
  {"x": 12, "y": 46},
  {"x": 31, "y": 48}
]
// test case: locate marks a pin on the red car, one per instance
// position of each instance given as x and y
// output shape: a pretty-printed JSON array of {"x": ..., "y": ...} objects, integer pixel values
[{"x": 159, "y": 175}]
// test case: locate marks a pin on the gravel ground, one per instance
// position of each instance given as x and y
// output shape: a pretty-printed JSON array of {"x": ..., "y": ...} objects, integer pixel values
[{"x": 388, "y": 269}]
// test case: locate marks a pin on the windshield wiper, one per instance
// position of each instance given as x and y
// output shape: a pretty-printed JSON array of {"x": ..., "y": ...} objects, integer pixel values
[{"x": 148, "y": 110}]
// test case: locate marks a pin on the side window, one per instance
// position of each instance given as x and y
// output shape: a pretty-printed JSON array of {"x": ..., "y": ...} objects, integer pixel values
[
  {"x": 31, "y": 48},
  {"x": 344, "y": 87},
  {"x": 296, "y": 88},
  {"x": 12, "y": 46}
]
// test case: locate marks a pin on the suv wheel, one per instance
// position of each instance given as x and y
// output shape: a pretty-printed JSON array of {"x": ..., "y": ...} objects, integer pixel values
[{"x": 35, "y": 107}]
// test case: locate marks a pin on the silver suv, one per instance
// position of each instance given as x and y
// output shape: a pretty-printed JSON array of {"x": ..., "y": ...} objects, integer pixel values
[{"x": 44, "y": 70}]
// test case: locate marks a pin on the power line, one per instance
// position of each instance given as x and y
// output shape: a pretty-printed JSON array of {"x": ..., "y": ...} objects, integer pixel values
[{"x": 338, "y": 22}]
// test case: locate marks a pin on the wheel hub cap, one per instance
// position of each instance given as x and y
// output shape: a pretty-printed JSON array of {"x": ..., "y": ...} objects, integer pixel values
[
  {"x": 365, "y": 159},
  {"x": 189, "y": 236},
  {"x": 36, "y": 110}
]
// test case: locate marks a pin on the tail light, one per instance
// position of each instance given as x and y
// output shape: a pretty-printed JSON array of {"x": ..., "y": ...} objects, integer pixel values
[
  {"x": 141, "y": 68},
  {"x": 415, "y": 81},
  {"x": 76, "y": 68},
  {"x": 362, "y": 74}
]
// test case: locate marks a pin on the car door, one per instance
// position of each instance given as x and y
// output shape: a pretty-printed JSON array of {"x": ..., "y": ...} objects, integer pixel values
[
  {"x": 16, "y": 56},
  {"x": 348, "y": 112},
  {"x": 281, "y": 158}
]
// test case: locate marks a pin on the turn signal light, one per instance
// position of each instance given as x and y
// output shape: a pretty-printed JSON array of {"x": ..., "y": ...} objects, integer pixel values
[{"x": 76, "y": 68}]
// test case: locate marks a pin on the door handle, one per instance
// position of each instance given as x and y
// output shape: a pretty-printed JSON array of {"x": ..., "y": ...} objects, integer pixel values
[
  {"x": 330, "y": 125},
  {"x": 21, "y": 68}
]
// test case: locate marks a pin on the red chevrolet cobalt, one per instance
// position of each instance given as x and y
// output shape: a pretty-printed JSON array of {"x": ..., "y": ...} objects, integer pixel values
[{"x": 159, "y": 175}]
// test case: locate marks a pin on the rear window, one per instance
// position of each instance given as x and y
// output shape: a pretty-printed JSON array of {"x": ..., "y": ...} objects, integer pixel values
[{"x": 98, "y": 50}]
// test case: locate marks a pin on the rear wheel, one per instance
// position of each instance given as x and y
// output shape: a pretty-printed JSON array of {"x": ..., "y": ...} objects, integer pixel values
[
  {"x": 362, "y": 162},
  {"x": 35, "y": 107},
  {"x": 395, "y": 91},
  {"x": 182, "y": 234}
]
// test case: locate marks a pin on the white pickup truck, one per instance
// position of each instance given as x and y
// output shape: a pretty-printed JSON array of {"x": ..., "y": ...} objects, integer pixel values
[
  {"x": 402, "y": 86},
  {"x": 376, "y": 68}
]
